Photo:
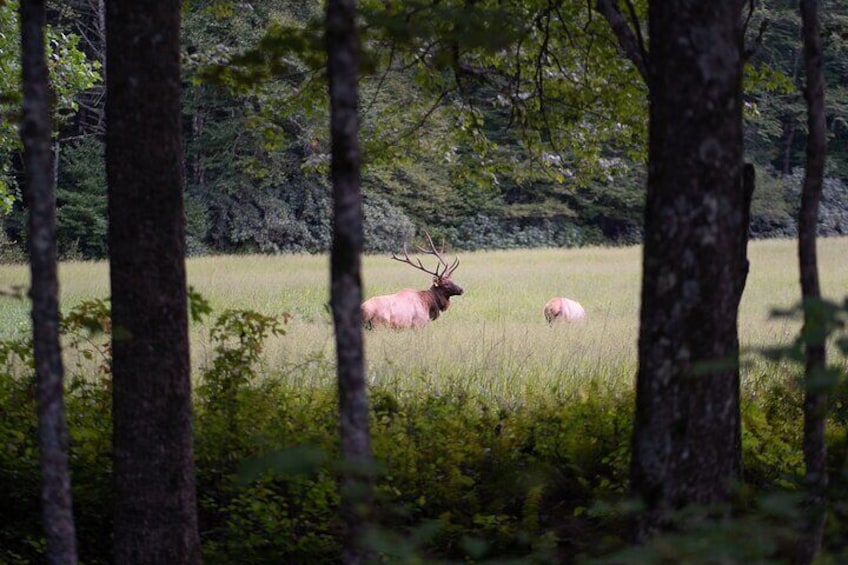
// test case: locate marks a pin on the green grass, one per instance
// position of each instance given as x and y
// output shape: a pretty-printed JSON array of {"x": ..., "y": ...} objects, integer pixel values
[{"x": 493, "y": 340}]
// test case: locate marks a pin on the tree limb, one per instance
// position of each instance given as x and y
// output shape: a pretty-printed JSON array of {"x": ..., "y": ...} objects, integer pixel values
[{"x": 630, "y": 42}]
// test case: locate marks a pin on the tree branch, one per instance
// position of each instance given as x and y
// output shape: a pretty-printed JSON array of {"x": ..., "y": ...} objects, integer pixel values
[
  {"x": 631, "y": 43},
  {"x": 749, "y": 51}
]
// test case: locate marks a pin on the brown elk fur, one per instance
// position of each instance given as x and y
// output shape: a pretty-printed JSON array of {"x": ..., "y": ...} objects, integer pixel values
[
  {"x": 414, "y": 308},
  {"x": 409, "y": 308}
]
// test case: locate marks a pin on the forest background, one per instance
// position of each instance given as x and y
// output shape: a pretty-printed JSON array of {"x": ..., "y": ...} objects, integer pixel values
[{"x": 464, "y": 149}]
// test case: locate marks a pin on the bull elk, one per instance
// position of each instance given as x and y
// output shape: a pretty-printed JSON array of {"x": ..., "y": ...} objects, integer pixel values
[
  {"x": 563, "y": 310},
  {"x": 411, "y": 308}
]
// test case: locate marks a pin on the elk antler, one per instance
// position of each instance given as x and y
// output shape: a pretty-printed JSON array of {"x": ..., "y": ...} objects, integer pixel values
[{"x": 448, "y": 269}]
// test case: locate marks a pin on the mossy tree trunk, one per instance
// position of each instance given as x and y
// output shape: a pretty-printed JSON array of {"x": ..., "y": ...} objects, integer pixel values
[{"x": 687, "y": 435}]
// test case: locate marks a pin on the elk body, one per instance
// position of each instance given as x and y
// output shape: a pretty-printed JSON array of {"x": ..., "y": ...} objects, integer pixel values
[
  {"x": 411, "y": 308},
  {"x": 564, "y": 310}
]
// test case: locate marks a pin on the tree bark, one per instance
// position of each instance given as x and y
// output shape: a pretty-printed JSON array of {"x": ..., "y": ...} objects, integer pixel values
[
  {"x": 789, "y": 122},
  {"x": 787, "y": 140},
  {"x": 36, "y": 129},
  {"x": 687, "y": 435},
  {"x": 155, "y": 510},
  {"x": 815, "y": 394},
  {"x": 357, "y": 484}
]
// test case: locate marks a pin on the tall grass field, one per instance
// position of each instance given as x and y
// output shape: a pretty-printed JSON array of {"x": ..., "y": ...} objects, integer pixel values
[
  {"x": 492, "y": 341},
  {"x": 489, "y": 425}
]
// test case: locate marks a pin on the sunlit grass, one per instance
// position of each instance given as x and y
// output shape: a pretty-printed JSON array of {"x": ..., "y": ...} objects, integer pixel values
[{"x": 493, "y": 340}]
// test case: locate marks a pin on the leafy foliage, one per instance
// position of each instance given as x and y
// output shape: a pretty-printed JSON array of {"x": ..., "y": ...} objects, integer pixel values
[
  {"x": 493, "y": 125},
  {"x": 70, "y": 73},
  {"x": 450, "y": 140},
  {"x": 81, "y": 220},
  {"x": 461, "y": 477},
  {"x": 776, "y": 108}
]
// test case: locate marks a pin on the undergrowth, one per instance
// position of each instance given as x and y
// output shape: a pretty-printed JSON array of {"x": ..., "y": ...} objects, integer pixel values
[{"x": 462, "y": 476}]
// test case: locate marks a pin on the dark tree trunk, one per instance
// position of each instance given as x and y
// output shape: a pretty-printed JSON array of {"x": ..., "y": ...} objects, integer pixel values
[
  {"x": 788, "y": 139},
  {"x": 197, "y": 165},
  {"x": 815, "y": 396},
  {"x": 357, "y": 485},
  {"x": 789, "y": 123},
  {"x": 686, "y": 444},
  {"x": 155, "y": 511},
  {"x": 36, "y": 132}
]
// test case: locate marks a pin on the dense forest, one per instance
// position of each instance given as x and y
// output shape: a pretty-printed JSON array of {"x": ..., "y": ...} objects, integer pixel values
[{"x": 461, "y": 135}]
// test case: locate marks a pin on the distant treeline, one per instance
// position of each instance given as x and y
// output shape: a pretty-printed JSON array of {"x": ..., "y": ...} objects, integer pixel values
[{"x": 476, "y": 167}]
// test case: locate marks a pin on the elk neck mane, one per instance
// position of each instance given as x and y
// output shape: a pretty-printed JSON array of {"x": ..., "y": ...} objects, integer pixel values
[{"x": 436, "y": 299}]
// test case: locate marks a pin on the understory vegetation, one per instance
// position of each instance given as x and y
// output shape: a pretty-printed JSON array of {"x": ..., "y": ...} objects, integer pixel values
[
  {"x": 497, "y": 437},
  {"x": 462, "y": 476}
]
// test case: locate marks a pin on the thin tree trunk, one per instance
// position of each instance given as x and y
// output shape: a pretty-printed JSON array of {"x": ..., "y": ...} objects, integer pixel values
[
  {"x": 357, "y": 484},
  {"x": 815, "y": 394},
  {"x": 36, "y": 131},
  {"x": 197, "y": 162},
  {"x": 155, "y": 507},
  {"x": 788, "y": 138},
  {"x": 790, "y": 124}
]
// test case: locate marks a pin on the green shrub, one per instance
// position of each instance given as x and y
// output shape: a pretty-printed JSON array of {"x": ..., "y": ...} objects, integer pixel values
[
  {"x": 10, "y": 251},
  {"x": 81, "y": 201},
  {"x": 385, "y": 227},
  {"x": 487, "y": 232},
  {"x": 772, "y": 426},
  {"x": 20, "y": 535},
  {"x": 461, "y": 477}
]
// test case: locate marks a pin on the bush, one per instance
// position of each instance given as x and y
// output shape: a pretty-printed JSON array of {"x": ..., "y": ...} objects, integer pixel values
[
  {"x": 485, "y": 232},
  {"x": 81, "y": 218},
  {"x": 11, "y": 252},
  {"x": 460, "y": 478},
  {"x": 385, "y": 227}
]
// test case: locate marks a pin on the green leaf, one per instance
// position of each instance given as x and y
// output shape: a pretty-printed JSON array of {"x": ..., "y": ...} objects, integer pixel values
[{"x": 294, "y": 461}]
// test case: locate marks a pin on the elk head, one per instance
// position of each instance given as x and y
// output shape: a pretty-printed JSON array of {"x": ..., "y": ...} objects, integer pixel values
[{"x": 441, "y": 276}]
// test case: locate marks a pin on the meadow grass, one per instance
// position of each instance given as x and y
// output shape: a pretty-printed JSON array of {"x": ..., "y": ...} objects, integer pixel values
[{"x": 493, "y": 340}]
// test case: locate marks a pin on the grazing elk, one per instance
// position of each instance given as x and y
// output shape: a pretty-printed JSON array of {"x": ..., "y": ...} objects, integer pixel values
[
  {"x": 564, "y": 310},
  {"x": 414, "y": 308}
]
